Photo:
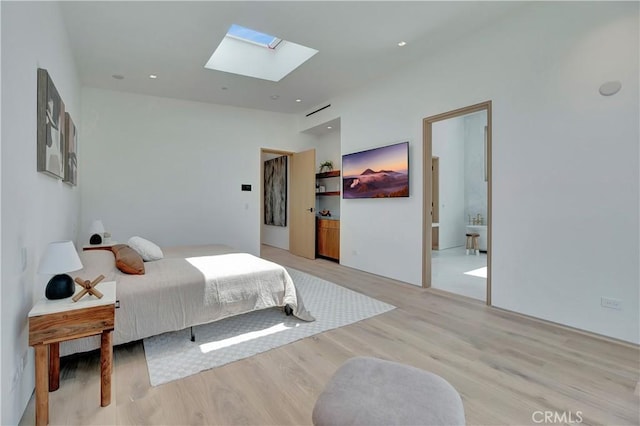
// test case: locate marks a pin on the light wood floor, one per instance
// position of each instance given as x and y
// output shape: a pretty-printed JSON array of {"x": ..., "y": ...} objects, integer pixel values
[{"x": 505, "y": 367}]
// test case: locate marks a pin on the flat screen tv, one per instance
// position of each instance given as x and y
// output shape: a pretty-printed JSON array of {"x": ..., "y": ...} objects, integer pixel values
[{"x": 377, "y": 173}]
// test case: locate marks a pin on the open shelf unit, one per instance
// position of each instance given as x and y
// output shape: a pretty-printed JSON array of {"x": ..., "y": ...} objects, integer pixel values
[{"x": 326, "y": 175}]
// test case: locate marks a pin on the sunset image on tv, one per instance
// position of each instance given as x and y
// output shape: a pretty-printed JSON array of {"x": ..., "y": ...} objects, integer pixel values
[{"x": 377, "y": 173}]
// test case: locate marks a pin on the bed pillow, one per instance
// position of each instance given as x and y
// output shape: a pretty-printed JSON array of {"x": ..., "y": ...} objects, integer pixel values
[
  {"x": 128, "y": 260},
  {"x": 145, "y": 248}
]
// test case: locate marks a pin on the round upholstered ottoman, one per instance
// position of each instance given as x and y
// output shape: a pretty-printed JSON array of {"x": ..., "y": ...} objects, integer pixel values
[{"x": 371, "y": 391}]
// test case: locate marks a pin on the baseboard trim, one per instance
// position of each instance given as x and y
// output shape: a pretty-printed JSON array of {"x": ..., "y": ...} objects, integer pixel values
[
  {"x": 569, "y": 328},
  {"x": 536, "y": 319}
]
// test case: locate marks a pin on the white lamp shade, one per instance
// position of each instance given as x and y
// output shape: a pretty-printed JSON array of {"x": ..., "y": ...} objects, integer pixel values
[
  {"x": 60, "y": 257},
  {"x": 96, "y": 227}
]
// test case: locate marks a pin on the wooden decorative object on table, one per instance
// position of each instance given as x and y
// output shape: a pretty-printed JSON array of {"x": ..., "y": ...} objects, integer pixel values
[{"x": 88, "y": 287}]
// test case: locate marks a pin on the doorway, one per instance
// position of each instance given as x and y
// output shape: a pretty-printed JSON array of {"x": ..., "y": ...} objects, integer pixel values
[
  {"x": 457, "y": 201},
  {"x": 298, "y": 233},
  {"x": 272, "y": 235}
]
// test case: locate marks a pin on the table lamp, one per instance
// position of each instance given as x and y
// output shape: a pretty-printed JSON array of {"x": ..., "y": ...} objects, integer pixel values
[
  {"x": 96, "y": 231},
  {"x": 60, "y": 257}
]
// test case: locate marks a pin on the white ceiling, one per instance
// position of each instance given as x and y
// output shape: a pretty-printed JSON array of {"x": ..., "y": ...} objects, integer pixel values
[{"x": 357, "y": 43}]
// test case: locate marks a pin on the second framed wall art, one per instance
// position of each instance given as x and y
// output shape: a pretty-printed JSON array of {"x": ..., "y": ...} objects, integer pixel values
[
  {"x": 57, "y": 139},
  {"x": 71, "y": 156}
]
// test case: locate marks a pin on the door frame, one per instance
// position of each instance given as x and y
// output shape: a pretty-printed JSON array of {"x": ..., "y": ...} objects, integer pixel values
[
  {"x": 290, "y": 155},
  {"x": 427, "y": 128}
]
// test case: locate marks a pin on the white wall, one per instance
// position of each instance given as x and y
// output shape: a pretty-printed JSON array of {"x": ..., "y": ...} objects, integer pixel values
[
  {"x": 37, "y": 209},
  {"x": 475, "y": 187},
  {"x": 565, "y": 160},
  {"x": 171, "y": 170},
  {"x": 328, "y": 149},
  {"x": 448, "y": 144},
  {"x": 276, "y": 236},
  {"x": 2, "y": 375}
]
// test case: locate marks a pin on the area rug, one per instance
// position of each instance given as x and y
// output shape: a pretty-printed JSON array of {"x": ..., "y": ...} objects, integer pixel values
[{"x": 172, "y": 356}]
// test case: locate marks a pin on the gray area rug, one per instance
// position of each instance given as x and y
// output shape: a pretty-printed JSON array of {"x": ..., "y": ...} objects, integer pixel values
[{"x": 172, "y": 356}]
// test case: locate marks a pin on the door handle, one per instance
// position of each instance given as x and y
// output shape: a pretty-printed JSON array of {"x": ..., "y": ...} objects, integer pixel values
[{"x": 310, "y": 209}]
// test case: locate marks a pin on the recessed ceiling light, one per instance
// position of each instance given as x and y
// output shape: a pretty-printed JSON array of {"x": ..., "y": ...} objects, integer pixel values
[
  {"x": 274, "y": 97},
  {"x": 402, "y": 43},
  {"x": 298, "y": 100},
  {"x": 153, "y": 76},
  {"x": 329, "y": 127},
  {"x": 118, "y": 76}
]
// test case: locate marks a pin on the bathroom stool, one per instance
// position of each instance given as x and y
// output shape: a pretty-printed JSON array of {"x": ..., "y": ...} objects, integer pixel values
[{"x": 472, "y": 243}]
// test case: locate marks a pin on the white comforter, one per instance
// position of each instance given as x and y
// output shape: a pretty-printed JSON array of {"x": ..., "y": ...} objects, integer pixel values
[{"x": 192, "y": 285}]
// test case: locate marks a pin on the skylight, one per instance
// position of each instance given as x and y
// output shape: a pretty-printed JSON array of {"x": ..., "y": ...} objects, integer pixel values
[
  {"x": 242, "y": 51},
  {"x": 253, "y": 36}
]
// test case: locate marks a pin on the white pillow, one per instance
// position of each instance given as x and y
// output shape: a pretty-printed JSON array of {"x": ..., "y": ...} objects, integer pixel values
[{"x": 145, "y": 248}]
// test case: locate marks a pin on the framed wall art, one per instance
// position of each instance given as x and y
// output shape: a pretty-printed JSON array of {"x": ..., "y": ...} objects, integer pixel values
[
  {"x": 377, "y": 173},
  {"x": 51, "y": 128},
  {"x": 275, "y": 191},
  {"x": 71, "y": 156}
]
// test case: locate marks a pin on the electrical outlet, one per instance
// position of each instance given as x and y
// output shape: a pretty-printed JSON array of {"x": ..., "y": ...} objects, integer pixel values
[
  {"x": 15, "y": 381},
  {"x": 23, "y": 259},
  {"x": 17, "y": 375},
  {"x": 607, "y": 302}
]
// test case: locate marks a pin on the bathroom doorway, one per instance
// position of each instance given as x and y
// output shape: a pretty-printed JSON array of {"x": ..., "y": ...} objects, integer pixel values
[{"x": 457, "y": 202}]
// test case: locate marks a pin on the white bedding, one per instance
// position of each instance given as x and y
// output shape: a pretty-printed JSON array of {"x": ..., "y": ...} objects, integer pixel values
[{"x": 192, "y": 285}]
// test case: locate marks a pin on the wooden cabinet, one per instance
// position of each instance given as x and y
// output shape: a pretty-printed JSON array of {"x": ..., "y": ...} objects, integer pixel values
[{"x": 328, "y": 238}]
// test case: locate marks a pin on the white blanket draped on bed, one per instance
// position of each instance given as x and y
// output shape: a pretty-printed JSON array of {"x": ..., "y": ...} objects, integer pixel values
[
  {"x": 192, "y": 285},
  {"x": 243, "y": 278}
]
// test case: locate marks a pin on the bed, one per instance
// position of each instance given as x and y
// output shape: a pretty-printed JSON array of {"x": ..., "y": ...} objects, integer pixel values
[{"x": 190, "y": 285}]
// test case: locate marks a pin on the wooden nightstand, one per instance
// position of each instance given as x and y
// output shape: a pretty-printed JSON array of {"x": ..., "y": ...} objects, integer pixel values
[
  {"x": 55, "y": 321},
  {"x": 99, "y": 246}
]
